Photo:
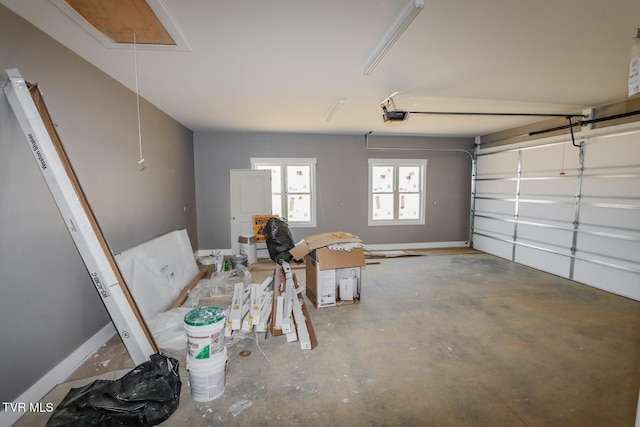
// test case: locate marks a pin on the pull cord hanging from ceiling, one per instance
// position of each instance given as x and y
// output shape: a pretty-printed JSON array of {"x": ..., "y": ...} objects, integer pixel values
[
  {"x": 135, "y": 61},
  {"x": 564, "y": 149}
]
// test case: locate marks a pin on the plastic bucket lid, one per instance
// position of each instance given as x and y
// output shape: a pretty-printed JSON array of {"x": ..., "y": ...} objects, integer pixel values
[{"x": 204, "y": 316}]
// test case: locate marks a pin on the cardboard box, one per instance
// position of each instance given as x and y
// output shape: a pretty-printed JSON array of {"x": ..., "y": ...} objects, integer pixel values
[
  {"x": 316, "y": 241},
  {"x": 326, "y": 269}
]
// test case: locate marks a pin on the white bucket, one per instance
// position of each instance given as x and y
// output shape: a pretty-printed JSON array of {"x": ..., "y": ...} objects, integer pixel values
[
  {"x": 248, "y": 247},
  {"x": 207, "y": 378},
  {"x": 204, "y": 327}
]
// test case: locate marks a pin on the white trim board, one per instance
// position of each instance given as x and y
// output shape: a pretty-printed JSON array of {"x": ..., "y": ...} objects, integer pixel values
[
  {"x": 59, "y": 373},
  {"x": 48, "y": 152},
  {"x": 423, "y": 245}
]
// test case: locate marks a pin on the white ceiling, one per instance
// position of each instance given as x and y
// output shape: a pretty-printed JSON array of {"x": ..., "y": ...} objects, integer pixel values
[{"x": 280, "y": 65}]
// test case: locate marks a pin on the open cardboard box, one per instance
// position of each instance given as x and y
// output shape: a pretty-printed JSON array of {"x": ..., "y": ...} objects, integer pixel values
[
  {"x": 316, "y": 241},
  {"x": 328, "y": 272}
]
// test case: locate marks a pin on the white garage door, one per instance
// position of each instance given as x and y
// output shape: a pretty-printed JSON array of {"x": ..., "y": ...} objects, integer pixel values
[{"x": 573, "y": 211}]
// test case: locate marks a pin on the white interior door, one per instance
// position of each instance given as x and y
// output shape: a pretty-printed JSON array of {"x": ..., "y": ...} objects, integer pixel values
[{"x": 250, "y": 195}]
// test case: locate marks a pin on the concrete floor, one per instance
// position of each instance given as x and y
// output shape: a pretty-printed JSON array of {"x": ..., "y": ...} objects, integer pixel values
[{"x": 463, "y": 340}]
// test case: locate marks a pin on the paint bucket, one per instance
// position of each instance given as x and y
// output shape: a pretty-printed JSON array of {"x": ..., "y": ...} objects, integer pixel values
[
  {"x": 237, "y": 260},
  {"x": 248, "y": 247},
  {"x": 204, "y": 327},
  {"x": 207, "y": 378}
]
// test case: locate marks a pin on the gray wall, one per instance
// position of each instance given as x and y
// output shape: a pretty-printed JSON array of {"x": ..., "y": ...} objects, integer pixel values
[
  {"x": 342, "y": 171},
  {"x": 48, "y": 305}
]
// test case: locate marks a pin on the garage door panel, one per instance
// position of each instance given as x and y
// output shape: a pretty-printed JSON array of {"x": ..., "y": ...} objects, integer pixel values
[
  {"x": 550, "y": 160},
  {"x": 499, "y": 207},
  {"x": 550, "y": 211},
  {"x": 611, "y": 187},
  {"x": 551, "y": 187},
  {"x": 610, "y": 279},
  {"x": 491, "y": 225},
  {"x": 608, "y": 217},
  {"x": 545, "y": 235},
  {"x": 610, "y": 247},
  {"x": 543, "y": 260},
  {"x": 499, "y": 164},
  {"x": 492, "y": 246},
  {"x": 612, "y": 152},
  {"x": 504, "y": 187}
]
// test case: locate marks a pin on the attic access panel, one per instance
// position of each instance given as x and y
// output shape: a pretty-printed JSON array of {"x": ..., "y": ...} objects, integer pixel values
[
  {"x": 114, "y": 22},
  {"x": 119, "y": 19}
]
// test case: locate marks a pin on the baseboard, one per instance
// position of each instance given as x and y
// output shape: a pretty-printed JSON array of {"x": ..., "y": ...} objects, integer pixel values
[
  {"x": 58, "y": 374},
  {"x": 208, "y": 252},
  {"x": 378, "y": 247},
  {"x": 424, "y": 245}
]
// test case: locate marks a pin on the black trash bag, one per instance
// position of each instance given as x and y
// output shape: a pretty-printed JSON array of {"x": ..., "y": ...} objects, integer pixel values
[
  {"x": 145, "y": 396},
  {"x": 279, "y": 240}
]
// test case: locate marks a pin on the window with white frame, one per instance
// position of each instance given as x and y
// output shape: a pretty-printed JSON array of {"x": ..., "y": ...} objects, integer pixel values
[
  {"x": 397, "y": 191},
  {"x": 293, "y": 194}
]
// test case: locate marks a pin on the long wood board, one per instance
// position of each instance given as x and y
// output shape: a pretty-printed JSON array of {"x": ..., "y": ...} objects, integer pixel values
[{"x": 33, "y": 117}]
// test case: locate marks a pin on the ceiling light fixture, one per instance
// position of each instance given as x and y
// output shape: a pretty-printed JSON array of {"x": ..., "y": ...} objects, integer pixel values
[
  {"x": 399, "y": 26},
  {"x": 339, "y": 103}
]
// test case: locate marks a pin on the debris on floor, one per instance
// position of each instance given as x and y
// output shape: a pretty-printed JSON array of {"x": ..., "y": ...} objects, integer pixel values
[
  {"x": 370, "y": 253},
  {"x": 250, "y": 309}
]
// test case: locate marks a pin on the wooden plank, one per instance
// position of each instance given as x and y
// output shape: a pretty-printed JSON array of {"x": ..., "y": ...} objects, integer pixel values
[
  {"x": 185, "y": 292},
  {"x": 119, "y": 19}
]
